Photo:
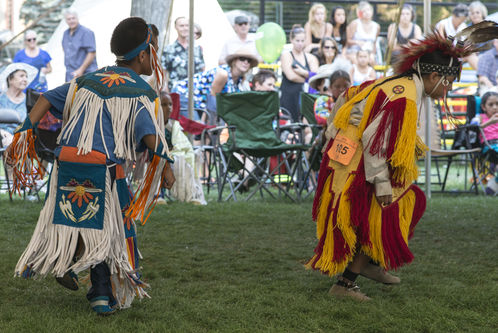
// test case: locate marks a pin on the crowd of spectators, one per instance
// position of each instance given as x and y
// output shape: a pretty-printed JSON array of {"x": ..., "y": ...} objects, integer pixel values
[{"x": 325, "y": 44}]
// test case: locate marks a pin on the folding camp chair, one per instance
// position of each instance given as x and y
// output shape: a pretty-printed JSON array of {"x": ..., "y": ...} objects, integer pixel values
[
  {"x": 459, "y": 150},
  {"x": 7, "y": 117},
  {"x": 45, "y": 142},
  {"x": 249, "y": 117},
  {"x": 314, "y": 155},
  {"x": 487, "y": 159}
]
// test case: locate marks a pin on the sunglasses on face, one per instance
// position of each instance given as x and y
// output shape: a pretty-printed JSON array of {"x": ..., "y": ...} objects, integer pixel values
[
  {"x": 243, "y": 23},
  {"x": 244, "y": 59},
  {"x": 31, "y": 39},
  {"x": 329, "y": 47}
]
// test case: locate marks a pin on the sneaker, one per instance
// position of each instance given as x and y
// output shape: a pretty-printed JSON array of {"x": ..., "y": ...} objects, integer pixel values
[
  {"x": 377, "y": 273},
  {"x": 69, "y": 280},
  {"x": 349, "y": 290},
  {"x": 101, "y": 306}
]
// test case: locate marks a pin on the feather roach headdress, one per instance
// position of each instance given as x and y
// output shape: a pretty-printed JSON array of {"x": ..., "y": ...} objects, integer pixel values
[{"x": 459, "y": 46}]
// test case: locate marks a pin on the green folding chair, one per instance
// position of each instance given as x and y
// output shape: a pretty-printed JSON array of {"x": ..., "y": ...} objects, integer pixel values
[
  {"x": 314, "y": 155},
  {"x": 250, "y": 117}
]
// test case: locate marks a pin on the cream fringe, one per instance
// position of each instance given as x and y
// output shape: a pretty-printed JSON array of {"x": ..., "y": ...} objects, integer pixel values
[
  {"x": 89, "y": 105},
  {"x": 52, "y": 246}
]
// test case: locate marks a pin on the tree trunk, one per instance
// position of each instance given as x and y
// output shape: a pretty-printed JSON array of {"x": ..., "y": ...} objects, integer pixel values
[{"x": 153, "y": 11}]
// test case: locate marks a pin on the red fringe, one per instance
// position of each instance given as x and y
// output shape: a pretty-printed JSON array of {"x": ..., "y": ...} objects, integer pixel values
[
  {"x": 393, "y": 117},
  {"x": 341, "y": 249},
  {"x": 419, "y": 209},
  {"x": 360, "y": 195},
  {"x": 322, "y": 177},
  {"x": 396, "y": 251}
]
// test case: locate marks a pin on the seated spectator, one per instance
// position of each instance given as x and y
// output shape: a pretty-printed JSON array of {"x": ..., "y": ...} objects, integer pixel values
[
  {"x": 455, "y": 23},
  {"x": 243, "y": 39},
  {"x": 407, "y": 30},
  {"x": 489, "y": 125},
  {"x": 13, "y": 81},
  {"x": 187, "y": 187},
  {"x": 339, "y": 23},
  {"x": 487, "y": 67},
  {"x": 36, "y": 57},
  {"x": 362, "y": 71},
  {"x": 296, "y": 68},
  {"x": 316, "y": 28},
  {"x": 224, "y": 78},
  {"x": 327, "y": 51},
  {"x": 264, "y": 80},
  {"x": 175, "y": 56},
  {"x": 477, "y": 12},
  {"x": 363, "y": 32},
  {"x": 320, "y": 81},
  {"x": 340, "y": 81}
]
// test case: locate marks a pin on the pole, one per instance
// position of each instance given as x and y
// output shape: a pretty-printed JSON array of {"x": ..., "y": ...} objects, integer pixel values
[
  {"x": 427, "y": 104},
  {"x": 261, "y": 12},
  {"x": 191, "y": 61}
]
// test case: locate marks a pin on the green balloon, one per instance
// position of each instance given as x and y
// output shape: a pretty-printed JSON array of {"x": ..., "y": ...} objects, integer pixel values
[{"x": 271, "y": 41}]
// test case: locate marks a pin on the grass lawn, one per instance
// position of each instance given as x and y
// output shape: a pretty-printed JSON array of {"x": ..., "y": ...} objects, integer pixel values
[{"x": 237, "y": 267}]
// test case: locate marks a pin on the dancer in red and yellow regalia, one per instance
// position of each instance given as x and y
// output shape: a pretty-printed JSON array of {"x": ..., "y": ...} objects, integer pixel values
[{"x": 366, "y": 206}]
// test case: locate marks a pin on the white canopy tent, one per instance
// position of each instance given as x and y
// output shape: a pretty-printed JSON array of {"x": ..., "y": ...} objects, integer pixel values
[
  {"x": 99, "y": 16},
  {"x": 102, "y": 16}
]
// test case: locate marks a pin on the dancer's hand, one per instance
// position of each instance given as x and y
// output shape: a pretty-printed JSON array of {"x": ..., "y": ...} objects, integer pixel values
[
  {"x": 385, "y": 200},
  {"x": 168, "y": 177}
]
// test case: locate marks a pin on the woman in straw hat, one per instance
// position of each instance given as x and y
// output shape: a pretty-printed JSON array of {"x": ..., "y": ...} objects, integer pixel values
[
  {"x": 225, "y": 78},
  {"x": 13, "y": 80}
]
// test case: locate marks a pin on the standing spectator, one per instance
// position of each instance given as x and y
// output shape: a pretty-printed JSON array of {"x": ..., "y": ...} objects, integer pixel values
[
  {"x": 175, "y": 57},
  {"x": 407, "y": 29},
  {"x": 327, "y": 51},
  {"x": 339, "y": 24},
  {"x": 296, "y": 68},
  {"x": 317, "y": 27},
  {"x": 362, "y": 32},
  {"x": 455, "y": 23},
  {"x": 242, "y": 40},
  {"x": 487, "y": 67},
  {"x": 78, "y": 43},
  {"x": 36, "y": 57}
]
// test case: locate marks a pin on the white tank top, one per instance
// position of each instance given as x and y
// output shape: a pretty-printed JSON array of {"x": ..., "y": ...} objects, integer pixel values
[{"x": 365, "y": 36}]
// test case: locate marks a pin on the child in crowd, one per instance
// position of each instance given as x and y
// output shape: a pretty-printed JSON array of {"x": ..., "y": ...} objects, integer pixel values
[
  {"x": 338, "y": 19},
  {"x": 339, "y": 82},
  {"x": 366, "y": 205},
  {"x": 489, "y": 125},
  {"x": 187, "y": 187},
  {"x": 87, "y": 219},
  {"x": 361, "y": 70}
]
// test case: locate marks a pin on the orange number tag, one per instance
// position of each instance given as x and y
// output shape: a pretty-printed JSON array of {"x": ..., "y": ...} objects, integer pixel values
[{"x": 342, "y": 149}]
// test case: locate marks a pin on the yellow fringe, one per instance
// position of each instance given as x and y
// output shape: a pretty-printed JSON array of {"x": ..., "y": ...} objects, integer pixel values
[
  {"x": 403, "y": 159},
  {"x": 376, "y": 250}
]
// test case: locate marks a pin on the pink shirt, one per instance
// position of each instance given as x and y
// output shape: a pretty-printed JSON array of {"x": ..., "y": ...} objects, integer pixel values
[{"x": 491, "y": 131}]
